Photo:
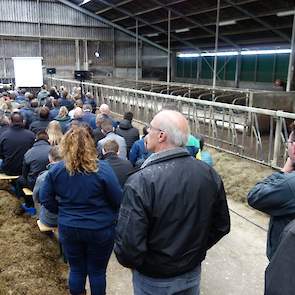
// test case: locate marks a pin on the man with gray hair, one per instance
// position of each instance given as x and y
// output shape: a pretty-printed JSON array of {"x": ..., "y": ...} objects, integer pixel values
[{"x": 174, "y": 209}]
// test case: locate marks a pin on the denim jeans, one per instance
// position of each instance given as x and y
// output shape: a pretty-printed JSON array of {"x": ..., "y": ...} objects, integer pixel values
[
  {"x": 185, "y": 284},
  {"x": 88, "y": 252}
]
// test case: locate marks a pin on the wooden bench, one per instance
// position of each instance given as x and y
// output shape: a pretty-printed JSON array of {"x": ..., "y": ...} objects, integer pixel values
[
  {"x": 3, "y": 176},
  {"x": 45, "y": 228},
  {"x": 49, "y": 229},
  {"x": 6, "y": 182},
  {"x": 27, "y": 192}
]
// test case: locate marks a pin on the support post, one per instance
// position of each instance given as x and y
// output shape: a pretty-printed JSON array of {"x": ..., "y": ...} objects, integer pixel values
[
  {"x": 136, "y": 54},
  {"x": 77, "y": 51},
  {"x": 4, "y": 60},
  {"x": 216, "y": 43},
  {"x": 85, "y": 55},
  {"x": 277, "y": 141},
  {"x": 168, "y": 54},
  {"x": 291, "y": 60},
  {"x": 114, "y": 50},
  {"x": 173, "y": 66},
  {"x": 238, "y": 71},
  {"x": 39, "y": 28},
  {"x": 199, "y": 68}
]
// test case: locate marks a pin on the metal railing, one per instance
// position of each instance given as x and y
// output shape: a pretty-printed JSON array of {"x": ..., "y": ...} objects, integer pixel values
[{"x": 253, "y": 133}]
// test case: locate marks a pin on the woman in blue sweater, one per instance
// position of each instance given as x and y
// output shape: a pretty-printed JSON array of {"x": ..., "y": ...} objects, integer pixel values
[{"x": 86, "y": 195}]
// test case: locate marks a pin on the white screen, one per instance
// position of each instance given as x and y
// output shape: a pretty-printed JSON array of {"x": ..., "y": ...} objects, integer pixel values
[{"x": 28, "y": 71}]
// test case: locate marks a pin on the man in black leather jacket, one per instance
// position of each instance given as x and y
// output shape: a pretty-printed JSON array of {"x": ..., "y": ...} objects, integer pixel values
[
  {"x": 126, "y": 130},
  {"x": 174, "y": 209}
]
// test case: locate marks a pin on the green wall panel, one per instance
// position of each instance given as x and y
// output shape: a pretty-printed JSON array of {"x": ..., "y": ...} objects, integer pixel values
[
  {"x": 194, "y": 67},
  {"x": 268, "y": 67},
  {"x": 220, "y": 66},
  {"x": 282, "y": 64},
  {"x": 230, "y": 68},
  {"x": 179, "y": 67},
  {"x": 265, "y": 64},
  {"x": 187, "y": 67},
  {"x": 206, "y": 71},
  {"x": 248, "y": 68}
]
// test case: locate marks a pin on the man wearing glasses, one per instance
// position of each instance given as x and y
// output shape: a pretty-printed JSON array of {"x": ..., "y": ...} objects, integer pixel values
[
  {"x": 174, "y": 209},
  {"x": 275, "y": 195}
]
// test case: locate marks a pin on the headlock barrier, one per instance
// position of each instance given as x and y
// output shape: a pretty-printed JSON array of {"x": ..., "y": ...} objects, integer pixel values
[{"x": 253, "y": 133}]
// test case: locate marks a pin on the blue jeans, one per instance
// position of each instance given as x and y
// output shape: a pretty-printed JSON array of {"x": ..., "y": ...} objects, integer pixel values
[
  {"x": 185, "y": 284},
  {"x": 88, "y": 252}
]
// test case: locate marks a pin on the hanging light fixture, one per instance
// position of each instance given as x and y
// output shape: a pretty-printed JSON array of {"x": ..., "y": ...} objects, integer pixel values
[{"x": 97, "y": 52}]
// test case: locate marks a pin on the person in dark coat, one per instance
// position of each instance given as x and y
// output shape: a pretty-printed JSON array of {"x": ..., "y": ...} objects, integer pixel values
[
  {"x": 66, "y": 101},
  {"x": 14, "y": 143},
  {"x": 42, "y": 123},
  {"x": 122, "y": 168},
  {"x": 63, "y": 118},
  {"x": 28, "y": 113},
  {"x": 20, "y": 98},
  {"x": 53, "y": 93},
  {"x": 88, "y": 117},
  {"x": 4, "y": 122},
  {"x": 35, "y": 161},
  {"x": 55, "y": 109},
  {"x": 275, "y": 195},
  {"x": 97, "y": 133},
  {"x": 42, "y": 95},
  {"x": 173, "y": 210},
  {"x": 89, "y": 99},
  {"x": 279, "y": 275},
  {"x": 126, "y": 130}
]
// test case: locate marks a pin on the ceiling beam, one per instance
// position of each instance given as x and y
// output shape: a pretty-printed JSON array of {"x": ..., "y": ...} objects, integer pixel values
[
  {"x": 258, "y": 20},
  {"x": 101, "y": 19},
  {"x": 146, "y": 11},
  {"x": 238, "y": 32},
  {"x": 236, "y": 19},
  {"x": 135, "y": 14},
  {"x": 263, "y": 42},
  {"x": 188, "y": 19},
  {"x": 156, "y": 28},
  {"x": 197, "y": 12},
  {"x": 110, "y": 8}
]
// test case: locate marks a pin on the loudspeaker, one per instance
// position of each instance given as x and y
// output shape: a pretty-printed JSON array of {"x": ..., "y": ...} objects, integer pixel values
[
  {"x": 82, "y": 75},
  {"x": 51, "y": 71}
]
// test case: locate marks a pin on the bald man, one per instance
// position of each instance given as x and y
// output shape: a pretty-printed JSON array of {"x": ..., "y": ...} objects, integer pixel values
[
  {"x": 106, "y": 112},
  {"x": 174, "y": 209}
]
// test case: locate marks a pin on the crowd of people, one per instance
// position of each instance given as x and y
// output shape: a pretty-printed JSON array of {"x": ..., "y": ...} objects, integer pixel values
[{"x": 155, "y": 200}]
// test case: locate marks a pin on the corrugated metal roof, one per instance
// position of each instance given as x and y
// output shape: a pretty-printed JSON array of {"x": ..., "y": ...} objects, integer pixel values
[{"x": 255, "y": 23}]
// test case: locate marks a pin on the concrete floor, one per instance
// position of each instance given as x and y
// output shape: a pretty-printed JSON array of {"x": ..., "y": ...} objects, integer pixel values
[{"x": 235, "y": 266}]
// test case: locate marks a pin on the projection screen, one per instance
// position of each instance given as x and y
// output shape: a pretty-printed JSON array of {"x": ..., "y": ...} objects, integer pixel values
[{"x": 28, "y": 71}]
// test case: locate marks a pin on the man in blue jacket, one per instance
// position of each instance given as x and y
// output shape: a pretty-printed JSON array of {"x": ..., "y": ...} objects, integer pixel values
[{"x": 275, "y": 195}]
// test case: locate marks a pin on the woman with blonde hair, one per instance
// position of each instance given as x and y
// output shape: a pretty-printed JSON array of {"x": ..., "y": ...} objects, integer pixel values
[
  {"x": 63, "y": 118},
  {"x": 89, "y": 196},
  {"x": 54, "y": 133}
]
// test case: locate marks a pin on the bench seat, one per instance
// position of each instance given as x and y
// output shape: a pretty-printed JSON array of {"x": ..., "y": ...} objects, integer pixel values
[
  {"x": 27, "y": 191},
  {"x": 45, "y": 228},
  {"x": 3, "y": 176}
]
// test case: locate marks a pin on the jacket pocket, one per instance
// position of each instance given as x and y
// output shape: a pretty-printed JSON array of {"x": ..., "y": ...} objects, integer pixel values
[{"x": 123, "y": 220}]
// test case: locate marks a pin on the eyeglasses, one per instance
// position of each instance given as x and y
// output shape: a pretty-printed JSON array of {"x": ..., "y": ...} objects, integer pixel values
[{"x": 150, "y": 127}]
